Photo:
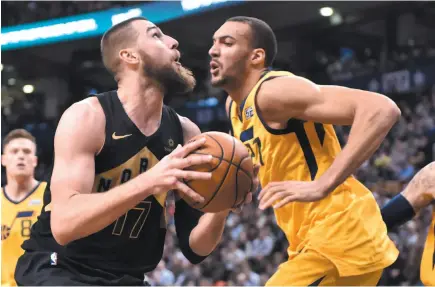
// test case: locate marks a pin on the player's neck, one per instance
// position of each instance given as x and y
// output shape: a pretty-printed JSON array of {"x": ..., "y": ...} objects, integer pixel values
[
  {"x": 142, "y": 100},
  {"x": 240, "y": 90},
  {"x": 19, "y": 188}
]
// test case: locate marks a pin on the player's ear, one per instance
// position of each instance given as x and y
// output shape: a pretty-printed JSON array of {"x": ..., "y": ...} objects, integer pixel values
[
  {"x": 258, "y": 56},
  {"x": 4, "y": 160},
  {"x": 129, "y": 56},
  {"x": 35, "y": 161}
]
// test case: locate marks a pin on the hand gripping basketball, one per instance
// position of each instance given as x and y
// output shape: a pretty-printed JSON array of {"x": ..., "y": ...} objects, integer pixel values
[
  {"x": 169, "y": 173},
  {"x": 233, "y": 175}
]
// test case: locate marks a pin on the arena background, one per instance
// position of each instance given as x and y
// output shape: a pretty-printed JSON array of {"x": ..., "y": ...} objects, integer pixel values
[{"x": 388, "y": 47}]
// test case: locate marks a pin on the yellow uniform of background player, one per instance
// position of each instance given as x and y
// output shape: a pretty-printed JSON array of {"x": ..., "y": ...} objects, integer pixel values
[
  {"x": 419, "y": 193},
  {"x": 427, "y": 268},
  {"x": 21, "y": 199},
  {"x": 332, "y": 222},
  {"x": 17, "y": 219}
]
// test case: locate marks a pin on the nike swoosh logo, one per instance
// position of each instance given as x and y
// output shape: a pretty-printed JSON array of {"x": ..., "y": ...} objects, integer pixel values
[{"x": 115, "y": 137}]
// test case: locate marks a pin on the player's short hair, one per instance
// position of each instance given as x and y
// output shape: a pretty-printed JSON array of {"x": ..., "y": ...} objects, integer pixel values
[
  {"x": 262, "y": 36},
  {"x": 18, "y": 134},
  {"x": 115, "y": 39}
]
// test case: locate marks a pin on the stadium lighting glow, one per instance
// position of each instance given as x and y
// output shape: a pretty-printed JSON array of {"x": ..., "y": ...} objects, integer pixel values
[
  {"x": 326, "y": 11},
  {"x": 28, "y": 89},
  {"x": 12, "y": 81}
]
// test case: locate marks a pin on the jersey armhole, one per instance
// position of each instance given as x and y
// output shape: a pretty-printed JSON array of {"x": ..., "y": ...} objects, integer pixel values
[
  {"x": 105, "y": 103},
  {"x": 229, "y": 116},
  {"x": 105, "y": 121},
  {"x": 173, "y": 114},
  {"x": 288, "y": 129}
]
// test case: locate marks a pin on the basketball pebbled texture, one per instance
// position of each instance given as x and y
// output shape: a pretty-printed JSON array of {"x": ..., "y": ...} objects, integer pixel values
[{"x": 232, "y": 173}]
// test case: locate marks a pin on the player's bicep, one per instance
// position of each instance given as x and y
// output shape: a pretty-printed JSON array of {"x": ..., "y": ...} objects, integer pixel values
[
  {"x": 297, "y": 97},
  {"x": 76, "y": 142}
]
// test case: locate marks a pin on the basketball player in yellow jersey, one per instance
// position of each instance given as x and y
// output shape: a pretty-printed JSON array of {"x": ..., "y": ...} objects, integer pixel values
[
  {"x": 21, "y": 198},
  {"x": 332, "y": 221},
  {"x": 419, "y": 194}
]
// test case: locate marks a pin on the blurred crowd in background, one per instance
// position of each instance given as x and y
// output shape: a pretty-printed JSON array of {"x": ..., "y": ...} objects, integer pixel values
[{"x": 253, "y": 247}]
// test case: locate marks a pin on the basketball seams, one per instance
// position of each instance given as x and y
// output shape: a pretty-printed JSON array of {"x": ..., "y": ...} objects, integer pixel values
[
  {"x": 226, "y": 172},
  {"x": 236, "y": 165},
  {"x": 219, "y": 158}
]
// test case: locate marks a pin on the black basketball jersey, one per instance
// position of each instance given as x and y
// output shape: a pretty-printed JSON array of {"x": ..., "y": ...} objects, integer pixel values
[{"x": 132, "y": 245}]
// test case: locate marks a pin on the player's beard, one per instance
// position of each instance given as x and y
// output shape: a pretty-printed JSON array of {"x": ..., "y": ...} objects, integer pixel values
[
  {"x": 238, "y": 70},
  {"x": 174, "y": 81}
]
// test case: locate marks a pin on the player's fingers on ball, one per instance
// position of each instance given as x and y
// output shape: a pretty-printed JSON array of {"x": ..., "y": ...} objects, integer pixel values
[
  {"x": 193, "y": 175},
  {"x": 256, "y": 169},
  {"x": 191, "y": 160},
  {"x": 189, "y": 192},
  {"x": 171, "y": 181},
  {"x": 191, "y": 146},
  {"x": 195, "y": 159},
  {"x": 248, "y": 198},
  {"x": 176, "y": 152}
]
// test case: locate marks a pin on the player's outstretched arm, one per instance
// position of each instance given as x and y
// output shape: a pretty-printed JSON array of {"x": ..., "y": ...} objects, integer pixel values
[
  {"x": 419, "y": 193},
  {"x": 75, "y": 211},
  {"x": 371, "y": 116}
]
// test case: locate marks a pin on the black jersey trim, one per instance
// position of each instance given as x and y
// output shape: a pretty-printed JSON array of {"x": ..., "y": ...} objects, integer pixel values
[
  {"x": 18, "y": 202},
  {"x": 173, "y": 114},
  {"x": 229, "y": 116},
  {"x": 273, "y": 131}
]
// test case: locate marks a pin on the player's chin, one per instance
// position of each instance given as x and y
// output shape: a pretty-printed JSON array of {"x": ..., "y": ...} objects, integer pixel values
[
  {"x": 22, "y": 173},
  {"x": 217, "y": 81},
  {"x": 188, "y": 79}
]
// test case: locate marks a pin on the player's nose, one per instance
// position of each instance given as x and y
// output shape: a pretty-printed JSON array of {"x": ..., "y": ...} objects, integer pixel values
[
  {"x": 213, "y": 52},
  {"x": 172, "y": 43}
]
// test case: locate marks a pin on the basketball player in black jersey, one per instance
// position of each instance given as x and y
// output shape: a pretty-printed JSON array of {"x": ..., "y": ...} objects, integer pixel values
[{"x": 116, "y": 156}]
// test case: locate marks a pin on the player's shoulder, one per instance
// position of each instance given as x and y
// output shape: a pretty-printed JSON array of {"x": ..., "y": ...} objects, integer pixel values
[
  {"x": 86, "y": 115},
  {"x": 273, "y": 81},
  {"x": 85, "y": 109},
  {"x": 82, "y": 125},
  {"x": 189, "y": 128},
  {"x": 42, "y": 186}
]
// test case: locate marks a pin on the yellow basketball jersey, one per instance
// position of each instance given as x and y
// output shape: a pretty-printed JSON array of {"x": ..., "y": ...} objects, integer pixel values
[
  {"x": 427, "y": 268},
  {"x": 17, "y": 219},
  {"x": 346, "y": 226}
]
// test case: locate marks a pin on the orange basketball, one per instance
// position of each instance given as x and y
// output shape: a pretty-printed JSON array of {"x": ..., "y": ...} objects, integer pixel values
[{"x": 232, "y": 173}]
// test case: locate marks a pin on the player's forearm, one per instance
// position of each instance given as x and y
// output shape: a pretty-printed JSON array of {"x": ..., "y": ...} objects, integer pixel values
[
  {"x": 207, "y": 234},
  {"x": 369, "y": 128},
  {"x": 84, "y": 214}
]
